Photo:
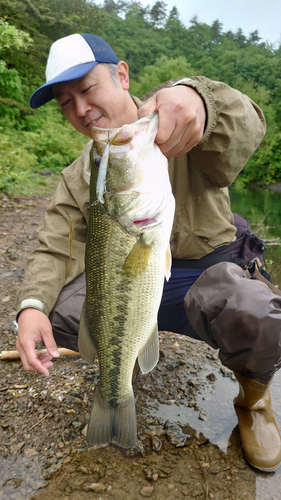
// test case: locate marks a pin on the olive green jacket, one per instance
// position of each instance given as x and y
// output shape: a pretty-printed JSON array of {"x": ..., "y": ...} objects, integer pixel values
[{"x": 200, "y": 179}]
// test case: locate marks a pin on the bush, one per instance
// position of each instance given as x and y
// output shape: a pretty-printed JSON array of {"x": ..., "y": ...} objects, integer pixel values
[{"x": 42, "y": 141}]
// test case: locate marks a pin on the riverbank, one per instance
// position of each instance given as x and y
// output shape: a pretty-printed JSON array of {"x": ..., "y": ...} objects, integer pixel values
[{"x": 188, "y": 442}]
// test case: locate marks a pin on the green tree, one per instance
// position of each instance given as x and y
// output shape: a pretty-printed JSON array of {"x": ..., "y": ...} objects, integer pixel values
[
  {"x": 11, "y": 37},
  {"x": 162, "y": 70},
  {"x": 11, "y": 88},
  {"x": 254, "y": 37},
  {"x": 158, "y": 14},
  {"x": 216, "y": 30}
]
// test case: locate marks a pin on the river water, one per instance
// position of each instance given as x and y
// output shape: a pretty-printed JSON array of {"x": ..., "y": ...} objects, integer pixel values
[{"x": 262, "y": 208}]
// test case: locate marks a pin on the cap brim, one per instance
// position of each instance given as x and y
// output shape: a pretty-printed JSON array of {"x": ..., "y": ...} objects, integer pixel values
[{"x": 45, "y": 93}]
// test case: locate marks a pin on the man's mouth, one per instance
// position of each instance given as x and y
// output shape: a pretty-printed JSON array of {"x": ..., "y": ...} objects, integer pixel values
[{"x": 92, "y": 124}]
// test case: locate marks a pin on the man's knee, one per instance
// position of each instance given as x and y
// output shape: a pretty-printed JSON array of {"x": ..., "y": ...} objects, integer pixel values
[
  {"x": 65, "y": 315},
  {"x": 240, "y": 316}
]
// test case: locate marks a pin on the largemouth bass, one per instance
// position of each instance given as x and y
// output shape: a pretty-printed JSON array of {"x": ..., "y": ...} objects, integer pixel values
[{"x": 127, "y": 256}]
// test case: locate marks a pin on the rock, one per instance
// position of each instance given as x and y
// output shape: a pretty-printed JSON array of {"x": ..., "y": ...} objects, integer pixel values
[
  {"x": 76, "y": 424},
  {"x": 147, "y": 491},
  {"x": 203, "y": 415},
  {"x": 84, "y": 431},
  {"x": 10, "y": 273},
  {"x": 156, "y": 443},
  {"x": 17, "y": 447},
  {"x": 193, "y": 382},
  {"x": 212, "y": 377},
  {"x": 47, "y": 172},
  {"x": 30, "y": 452},
  {"x": 97, "y": 487},
  {"x": 175, "y": 434},
  {"x": 152, "y": 475}
]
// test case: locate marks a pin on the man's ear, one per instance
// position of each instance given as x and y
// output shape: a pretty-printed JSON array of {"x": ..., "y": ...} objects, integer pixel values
[{"x": 123, "y": 73}]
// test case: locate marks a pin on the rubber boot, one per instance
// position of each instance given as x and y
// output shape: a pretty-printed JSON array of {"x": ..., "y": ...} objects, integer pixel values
[{"x": 260, "y": 436}]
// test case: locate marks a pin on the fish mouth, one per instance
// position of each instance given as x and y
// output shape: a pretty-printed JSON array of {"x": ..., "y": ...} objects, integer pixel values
[{"x": 145, "y": 222}]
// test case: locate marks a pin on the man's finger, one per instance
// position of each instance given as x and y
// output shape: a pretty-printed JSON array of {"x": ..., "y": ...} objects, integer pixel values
[{"x": 32, "y": 363}]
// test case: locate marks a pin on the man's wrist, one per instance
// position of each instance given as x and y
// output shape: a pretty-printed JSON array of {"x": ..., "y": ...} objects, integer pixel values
[
  {"x": 202, "y": 87},
  {"x": 30, "y": 304}
]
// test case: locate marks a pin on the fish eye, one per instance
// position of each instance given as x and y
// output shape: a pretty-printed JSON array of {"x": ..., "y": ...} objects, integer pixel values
[{"x": 97, "y": 160}]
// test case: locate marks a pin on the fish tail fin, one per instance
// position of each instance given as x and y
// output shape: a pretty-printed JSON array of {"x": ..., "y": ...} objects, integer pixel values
[
  {"x": 125, "y": 423},
  {"x": 107, "y": 423},
  {"x": 99, "y": 426}
]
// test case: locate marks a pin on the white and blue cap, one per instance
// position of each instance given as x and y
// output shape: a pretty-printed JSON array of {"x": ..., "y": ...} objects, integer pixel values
[{"x": 72, "y": 57}]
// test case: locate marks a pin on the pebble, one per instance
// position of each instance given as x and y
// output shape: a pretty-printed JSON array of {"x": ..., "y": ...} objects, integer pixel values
[
  {"x": 76, "y": 424},
  {"x": 185, "y": 480},
  {"x": 175, "y": 434},
  {"x": 156, "y": 443},
  {"x": 84, "y": 431},
  {"x": 97, "y": 487},
  {"x": 203, "y": 415},
  {"x": 212, "y": 377},
  {"x": 147, "y": 491},
  {"x": 30, "y": 452}
]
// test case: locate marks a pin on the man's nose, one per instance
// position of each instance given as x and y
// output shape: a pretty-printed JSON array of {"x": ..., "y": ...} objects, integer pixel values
[{"x": 81, "y": 106}]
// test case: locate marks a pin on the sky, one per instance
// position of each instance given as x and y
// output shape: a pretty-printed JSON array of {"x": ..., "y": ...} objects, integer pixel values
[{"x": 250, "y": 15}]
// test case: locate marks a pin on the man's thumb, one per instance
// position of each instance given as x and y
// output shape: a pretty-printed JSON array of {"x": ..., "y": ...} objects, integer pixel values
[
  {"x": 148, "y": 108},
  {"x": 51, "y": 345}
]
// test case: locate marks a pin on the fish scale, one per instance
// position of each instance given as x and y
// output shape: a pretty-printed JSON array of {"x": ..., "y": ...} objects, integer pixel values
[{"x": 108, "y": 316}]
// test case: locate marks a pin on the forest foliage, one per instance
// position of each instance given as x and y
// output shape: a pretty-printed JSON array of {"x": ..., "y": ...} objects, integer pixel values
[{"x": 156, "y": 45}]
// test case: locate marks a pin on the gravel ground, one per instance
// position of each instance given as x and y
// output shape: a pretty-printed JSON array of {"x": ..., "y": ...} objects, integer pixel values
[{"x": 188, "y": 444}]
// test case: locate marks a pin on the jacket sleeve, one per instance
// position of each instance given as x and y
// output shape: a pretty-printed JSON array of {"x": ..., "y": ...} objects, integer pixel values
[
  {"x": 235, "y": 128},
  {"x": 49, "y": 267}
]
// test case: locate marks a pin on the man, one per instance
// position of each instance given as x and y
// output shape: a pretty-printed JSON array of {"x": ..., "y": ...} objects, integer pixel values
[{"x": 208, "y": 131}]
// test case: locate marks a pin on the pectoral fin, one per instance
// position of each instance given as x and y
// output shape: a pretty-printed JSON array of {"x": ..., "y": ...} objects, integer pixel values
[
  {"x": 137, "y": 259},
  {"x": 148, "y": 357},
  {"x": 168, "y": 263},
  {"x": 86, "y": 345}
]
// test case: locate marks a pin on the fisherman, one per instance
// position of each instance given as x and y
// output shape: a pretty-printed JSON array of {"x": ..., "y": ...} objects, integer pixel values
[{"x": 208, "y": 131}]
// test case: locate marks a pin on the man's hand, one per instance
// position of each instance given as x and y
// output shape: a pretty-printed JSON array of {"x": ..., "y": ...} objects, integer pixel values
[
  {"x": 182, "y": 118},
  {"x": 34, "y": 326}
]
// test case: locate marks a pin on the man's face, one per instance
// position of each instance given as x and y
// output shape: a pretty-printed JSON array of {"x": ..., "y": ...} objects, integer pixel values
[{"x": 95, "y": 100}]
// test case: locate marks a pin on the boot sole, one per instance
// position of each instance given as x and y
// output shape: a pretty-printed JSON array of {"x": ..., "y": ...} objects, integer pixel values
[{"x": 274, "y": 469}]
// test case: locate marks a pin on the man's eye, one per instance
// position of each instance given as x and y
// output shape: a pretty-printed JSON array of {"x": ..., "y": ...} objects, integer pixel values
[
  {"x": 86, "y": 90},
  {"x": 63, "y": 104}
]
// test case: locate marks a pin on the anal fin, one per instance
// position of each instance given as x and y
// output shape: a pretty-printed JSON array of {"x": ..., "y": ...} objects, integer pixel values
[{"x": 148, "y": 357}]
